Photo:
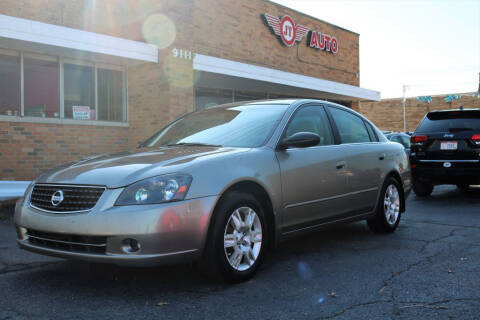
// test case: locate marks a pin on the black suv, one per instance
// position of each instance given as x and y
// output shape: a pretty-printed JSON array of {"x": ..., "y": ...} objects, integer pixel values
[{"x": 445, "y": 149}]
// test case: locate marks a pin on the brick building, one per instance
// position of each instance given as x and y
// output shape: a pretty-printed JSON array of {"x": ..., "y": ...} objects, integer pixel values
[
  {"x": 387, "y": 114},
  {"x": 80, "y": 77}
]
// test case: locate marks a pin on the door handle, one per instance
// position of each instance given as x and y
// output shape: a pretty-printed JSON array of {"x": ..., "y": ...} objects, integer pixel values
[
  {"x": 340, "y": 165},
  {"x": 381, "y": 156}
]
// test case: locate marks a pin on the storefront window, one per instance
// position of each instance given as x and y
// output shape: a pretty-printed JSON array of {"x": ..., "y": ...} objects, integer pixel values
[
  {"x": 247, "y": 96},
  {"x": 208, "y": 97},
  {"x": 110, "y": 94},
  {"x": 79, "y": 95},
  {"x": 205, "y": 98},
  {"x": 9, "y": 84},
  {"x": 84, "y": 90},
  {"x": 41, "y": 87}
]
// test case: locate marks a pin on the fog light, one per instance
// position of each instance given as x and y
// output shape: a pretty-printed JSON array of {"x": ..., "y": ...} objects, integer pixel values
[
  {"x": 131, "y": 246},
  {"x": 22, "y": 233}
]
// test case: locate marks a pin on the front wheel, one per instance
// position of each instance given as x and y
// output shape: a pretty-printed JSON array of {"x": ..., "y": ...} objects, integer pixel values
[
  {"x": 237, "y": 240},
  {"x": 387, "y": 216}
]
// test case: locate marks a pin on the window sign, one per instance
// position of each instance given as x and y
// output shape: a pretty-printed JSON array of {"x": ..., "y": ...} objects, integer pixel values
[{"x": 82, "y": 113}]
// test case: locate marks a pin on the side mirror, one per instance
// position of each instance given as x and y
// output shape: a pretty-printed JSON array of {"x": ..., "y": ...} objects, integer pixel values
[
  {"x": 140, "y": 144},
  {"x": 300, "y": 140}
]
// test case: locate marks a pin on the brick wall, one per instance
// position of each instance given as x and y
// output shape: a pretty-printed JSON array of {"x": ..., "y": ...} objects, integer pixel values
[
  {"x": 233, "y": 29},
  {"x": 27, "y": 149},
  {"x": 387, "y": 114}
]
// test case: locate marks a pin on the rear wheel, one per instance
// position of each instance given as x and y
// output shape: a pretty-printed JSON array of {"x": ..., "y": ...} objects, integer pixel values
[
  {"x": 463, "y": 186},
  {"x": 237, "y": 240},
  {"x": 388, "y": 212},
  {"x": 422, "y": 189}
]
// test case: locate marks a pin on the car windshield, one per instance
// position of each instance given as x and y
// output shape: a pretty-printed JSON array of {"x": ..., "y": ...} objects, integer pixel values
[
  {"x": 236, "y": 126},
  {"x": 453, "y": 121}
]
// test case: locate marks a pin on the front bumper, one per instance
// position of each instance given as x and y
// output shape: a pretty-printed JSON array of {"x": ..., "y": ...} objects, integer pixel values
[{"x": 167, "y": 233}]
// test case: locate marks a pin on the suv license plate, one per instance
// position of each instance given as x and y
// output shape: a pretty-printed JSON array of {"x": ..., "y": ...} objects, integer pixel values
[{"x": 448, "y": 145}]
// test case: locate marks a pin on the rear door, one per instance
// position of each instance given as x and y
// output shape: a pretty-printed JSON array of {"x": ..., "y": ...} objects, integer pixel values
[{"x": 364, "y": 160}]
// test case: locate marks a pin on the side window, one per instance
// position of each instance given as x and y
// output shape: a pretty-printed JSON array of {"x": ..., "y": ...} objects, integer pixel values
[
  {"x": 351, "y": 128},
  {"x": 311, "y": 119},
  {"x": 371, "y": 132}
]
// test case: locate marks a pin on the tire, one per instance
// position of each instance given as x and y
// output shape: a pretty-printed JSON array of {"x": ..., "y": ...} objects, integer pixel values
[
  {"x": 463, "y": 186},
  {"x": 422, "y": 189},
  {"x": 235, "y": 248},
  {"x": 387, "y": 217}
]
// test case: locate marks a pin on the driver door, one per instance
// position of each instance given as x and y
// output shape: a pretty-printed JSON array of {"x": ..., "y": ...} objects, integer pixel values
[{"x": 313, "y": 178}]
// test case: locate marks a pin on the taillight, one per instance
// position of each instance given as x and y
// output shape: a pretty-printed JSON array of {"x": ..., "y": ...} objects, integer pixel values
[
  {"x": 418, "y": 139},
  {"x": 476, "y": 139}
]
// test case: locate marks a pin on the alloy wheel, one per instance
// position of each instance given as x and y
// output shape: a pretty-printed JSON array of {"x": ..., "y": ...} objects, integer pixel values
[
  {"x": 391, "y": 204},
  {"x": 243, "y": 238}
]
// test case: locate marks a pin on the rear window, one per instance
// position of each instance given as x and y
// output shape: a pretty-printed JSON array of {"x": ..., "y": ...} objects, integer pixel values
[{"x": 450, "y": 121}]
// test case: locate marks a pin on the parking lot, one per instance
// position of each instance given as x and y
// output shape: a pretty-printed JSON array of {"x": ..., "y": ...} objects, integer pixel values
[{"x": 428, "y": 269}]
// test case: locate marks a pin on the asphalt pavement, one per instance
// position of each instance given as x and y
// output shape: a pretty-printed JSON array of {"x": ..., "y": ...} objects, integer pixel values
[{"x": 428, "y": 269}]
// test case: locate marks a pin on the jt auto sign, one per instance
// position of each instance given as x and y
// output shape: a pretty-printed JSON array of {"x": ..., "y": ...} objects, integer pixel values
[{"x": 289, "y": 33}]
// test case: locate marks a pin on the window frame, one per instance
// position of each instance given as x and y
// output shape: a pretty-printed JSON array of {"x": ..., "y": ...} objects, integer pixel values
[{"x": 61, "y": 89}]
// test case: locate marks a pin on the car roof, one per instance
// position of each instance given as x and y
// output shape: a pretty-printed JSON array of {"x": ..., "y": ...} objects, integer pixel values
[
  {"x": 292, "y": 103},
  {"x": 455, "y": 110},
  {"x": 277, "y": 102}
]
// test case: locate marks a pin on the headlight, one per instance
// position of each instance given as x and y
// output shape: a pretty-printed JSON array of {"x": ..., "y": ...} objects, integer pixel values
[
  {"x": 171, "y": 187},
  {"x": 27, "y": 194}
]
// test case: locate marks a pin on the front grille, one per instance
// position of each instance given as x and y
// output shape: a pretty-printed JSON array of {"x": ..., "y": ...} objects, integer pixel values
[
  {"x": 75, "y": 198},
  {"x": 67, "y": 242}
]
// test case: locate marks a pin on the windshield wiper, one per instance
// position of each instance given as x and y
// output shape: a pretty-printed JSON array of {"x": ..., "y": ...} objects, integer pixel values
[
  {"x": 459, "y": 129},
  {"x": 193, "y": 144}
]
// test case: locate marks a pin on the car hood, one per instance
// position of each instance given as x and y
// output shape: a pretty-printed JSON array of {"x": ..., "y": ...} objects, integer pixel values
[{"x": 121, "y": 169}]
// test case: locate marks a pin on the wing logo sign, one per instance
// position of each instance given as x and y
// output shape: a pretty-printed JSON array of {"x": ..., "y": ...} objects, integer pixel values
[
  {"x": 286, "y": 29},
  {"x": 289, "y": 33}
]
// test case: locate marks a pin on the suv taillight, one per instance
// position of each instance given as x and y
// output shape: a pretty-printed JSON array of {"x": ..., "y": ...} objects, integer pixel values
[
  {"x": 418, "y": 139},
  {"x": 476, "y": 139}
]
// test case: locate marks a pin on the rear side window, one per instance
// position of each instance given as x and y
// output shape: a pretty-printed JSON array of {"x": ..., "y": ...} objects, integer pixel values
[
  {"x": 351, "y": 128},
  {"x": 371, "y": 132},
  {"x": 450, "y": 121}
]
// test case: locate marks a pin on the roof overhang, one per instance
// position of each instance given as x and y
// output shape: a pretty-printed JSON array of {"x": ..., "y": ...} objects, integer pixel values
[
  {"x": 23, "y": 34},
  {"x": 222, "y": 73}
]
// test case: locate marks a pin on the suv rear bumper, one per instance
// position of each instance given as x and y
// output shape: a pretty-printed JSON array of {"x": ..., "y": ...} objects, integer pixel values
[{"x": 452, "y": 175}]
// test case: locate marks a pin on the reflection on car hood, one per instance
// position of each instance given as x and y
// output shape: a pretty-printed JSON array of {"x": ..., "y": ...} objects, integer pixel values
[{"x": 121, "y": 169}]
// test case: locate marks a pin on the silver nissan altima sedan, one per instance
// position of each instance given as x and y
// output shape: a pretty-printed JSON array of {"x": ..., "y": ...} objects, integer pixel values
[{"x": 219, "y": 187}]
